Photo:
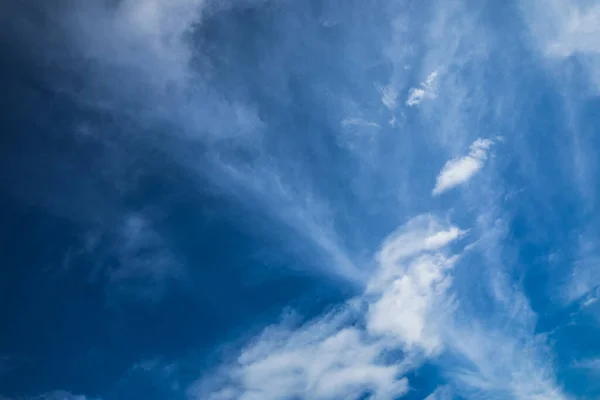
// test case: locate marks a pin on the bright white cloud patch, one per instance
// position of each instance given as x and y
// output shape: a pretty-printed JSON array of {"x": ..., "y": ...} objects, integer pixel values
[
  {"x": 413, "y": 284},
  {"x": 407, "y": 307},
  {"x": 324, "y": 360},
  {"x": 460, "y": 170},
  {"x": 413, "y": 307},
  {"x": 427, "y": 90},
  {"x": 341, "y": 354}
]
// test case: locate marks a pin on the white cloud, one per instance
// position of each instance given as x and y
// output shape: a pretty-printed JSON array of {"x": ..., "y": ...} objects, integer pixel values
[
  {"x": 427, "y": 90},
  {"x": 143, "y": 60},
  {"x": 325, "y": 359},
  {"x": 409, "y": 302},
  {"x": 413, "y": 284},
  {"x": 360, "y": 122},
  {"x": 420, "y": 234},
  {"x": 409, "y": 306},
  {"x": 146, "y": 264},
  {"x": 341, "y": 355},
  {"x": 460, "y": 170},
  {"x": 389, "y": 97}
]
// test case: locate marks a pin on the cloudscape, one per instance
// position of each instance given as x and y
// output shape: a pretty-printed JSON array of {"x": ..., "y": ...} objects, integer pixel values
[{"x": 290, "y": 200}]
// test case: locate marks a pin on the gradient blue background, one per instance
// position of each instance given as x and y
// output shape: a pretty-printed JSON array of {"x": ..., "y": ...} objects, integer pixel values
[{"x": 161, "y": 205}]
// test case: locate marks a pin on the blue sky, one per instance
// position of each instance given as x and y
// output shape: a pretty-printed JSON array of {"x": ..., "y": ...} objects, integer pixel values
[{"x": 283, "y": 200}]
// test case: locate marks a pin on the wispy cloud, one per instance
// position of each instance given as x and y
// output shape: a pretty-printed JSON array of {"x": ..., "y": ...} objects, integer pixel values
[
  {"x": 389, "y": 97},
  {"x": 567, "y": 29},
  {"x": 326, "y": 359},
  {"x": 441, "y": 393},
  {"x": 460, "y": 170},
  {"x": 360, "y": 122},
  {"x": 131, "y": 259},
  {"x": 583, "y": 281},
  {"x": 427, "y": 90},
  {"x": 504, "y": 365},
  {"x": 592, "y": 365},
  {"x": 341, "y": 354},
  {"x": 414, "y": 279},
  {"x": 579, "y": 33},
  {"x": 408, "y": 306},
  {"x": 573, "y": 30},
  {"x": 148, "y": 63},
  {"x": 146, "y": 265}
]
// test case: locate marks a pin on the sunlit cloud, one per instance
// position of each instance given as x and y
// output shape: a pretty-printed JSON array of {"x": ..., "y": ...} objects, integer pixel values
[
  {"x": 409, "y": 306},
  {"x": 341, "y": 354},
  {"x": 460, "y": 170},
  {"x": 427, "y": 90}
]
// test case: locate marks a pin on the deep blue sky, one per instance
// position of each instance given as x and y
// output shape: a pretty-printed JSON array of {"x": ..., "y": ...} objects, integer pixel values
[{"x": 283, "y": 200}]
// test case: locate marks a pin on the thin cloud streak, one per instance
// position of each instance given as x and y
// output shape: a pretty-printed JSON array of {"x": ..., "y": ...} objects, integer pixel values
[
  {"x": 144, "y": 63},
  {"x": 441, "y": 393}
]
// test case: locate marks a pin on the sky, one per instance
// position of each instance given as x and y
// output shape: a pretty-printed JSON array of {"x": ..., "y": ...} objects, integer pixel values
[{"x": 299, "y": 199}]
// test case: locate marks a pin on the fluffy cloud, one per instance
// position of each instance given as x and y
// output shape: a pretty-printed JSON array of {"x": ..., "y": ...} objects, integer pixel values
[
  {"x": 460, "y": 170},
  {"x": 408, "y": 309},
  {"x": 342, "y": 354},
  {"x": 320, "y": 361},
  {"x": 413, "y": 284}
]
